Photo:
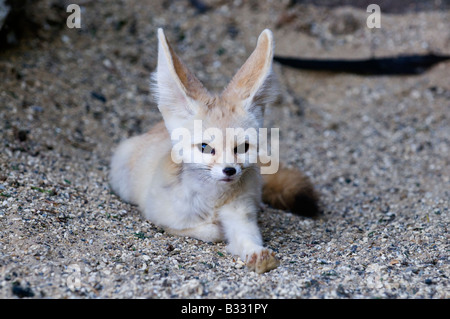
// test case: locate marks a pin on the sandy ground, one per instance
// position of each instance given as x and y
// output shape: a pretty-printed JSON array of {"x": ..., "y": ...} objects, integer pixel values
[{"x": 376, "y": 148}]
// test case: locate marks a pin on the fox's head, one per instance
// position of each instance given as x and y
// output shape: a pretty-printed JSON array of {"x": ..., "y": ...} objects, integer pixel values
[{"x": 215, "y": 135}]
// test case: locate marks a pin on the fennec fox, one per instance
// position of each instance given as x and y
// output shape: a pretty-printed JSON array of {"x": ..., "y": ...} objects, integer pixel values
[{"x": 211, "y": 199}]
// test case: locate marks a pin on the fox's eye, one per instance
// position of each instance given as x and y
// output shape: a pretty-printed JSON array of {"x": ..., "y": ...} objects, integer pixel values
[
  {"x": 205, "y": 148},
  {"x": 242, "y": 148}
]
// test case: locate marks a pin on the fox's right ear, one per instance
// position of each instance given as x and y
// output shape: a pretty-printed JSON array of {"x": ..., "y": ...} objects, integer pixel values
[{"x": 177, "y": 90}]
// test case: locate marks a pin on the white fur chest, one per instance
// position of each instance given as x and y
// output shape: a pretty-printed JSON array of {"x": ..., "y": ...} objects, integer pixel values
[{"x": 181, "y": 205}]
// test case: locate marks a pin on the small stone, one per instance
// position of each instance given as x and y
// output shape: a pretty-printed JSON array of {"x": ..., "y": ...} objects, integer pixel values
[
  {"x": 98, "y": 96},
  {"x": 239, "y": 264},
  {"x": 22, "y": 292}
]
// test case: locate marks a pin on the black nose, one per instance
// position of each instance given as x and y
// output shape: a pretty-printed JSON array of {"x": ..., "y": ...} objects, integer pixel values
[{"x": 229, "y": 171}]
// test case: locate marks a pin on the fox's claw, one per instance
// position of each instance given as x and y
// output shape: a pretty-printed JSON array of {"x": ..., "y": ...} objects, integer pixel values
[{"x": 263, "y": 261}]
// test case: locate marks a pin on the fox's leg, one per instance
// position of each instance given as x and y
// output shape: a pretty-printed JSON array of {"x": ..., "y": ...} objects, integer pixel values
[
  {"x": 244, "y": 239},
  {"x": 208, "y": 232}
]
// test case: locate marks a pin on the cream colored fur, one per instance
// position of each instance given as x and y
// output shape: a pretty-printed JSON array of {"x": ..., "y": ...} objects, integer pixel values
[{"x": 193, "y": 199}]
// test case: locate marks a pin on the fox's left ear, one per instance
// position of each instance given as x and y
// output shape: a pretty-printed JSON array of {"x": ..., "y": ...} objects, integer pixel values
[
  {"x": 254, "y": 83},
  {"x": 179, "y": 93}
]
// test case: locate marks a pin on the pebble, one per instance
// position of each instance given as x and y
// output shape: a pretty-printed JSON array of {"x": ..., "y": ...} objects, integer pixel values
[{"x": 375, "y": 148}]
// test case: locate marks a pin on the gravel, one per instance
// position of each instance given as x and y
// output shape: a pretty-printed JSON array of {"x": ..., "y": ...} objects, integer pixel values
[{"x": 377, "y": 149}]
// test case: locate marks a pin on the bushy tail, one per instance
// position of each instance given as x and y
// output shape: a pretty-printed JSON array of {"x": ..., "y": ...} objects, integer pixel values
[{"x": 290, "y": 189}]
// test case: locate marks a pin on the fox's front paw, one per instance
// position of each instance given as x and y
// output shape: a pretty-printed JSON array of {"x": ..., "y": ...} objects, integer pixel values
[{"x": 262, "y": 261}]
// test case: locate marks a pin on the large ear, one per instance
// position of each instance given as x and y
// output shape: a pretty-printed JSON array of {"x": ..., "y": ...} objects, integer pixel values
[
  {"x": 254, "y": 83},
  {"x": 177, "y": 90}
]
